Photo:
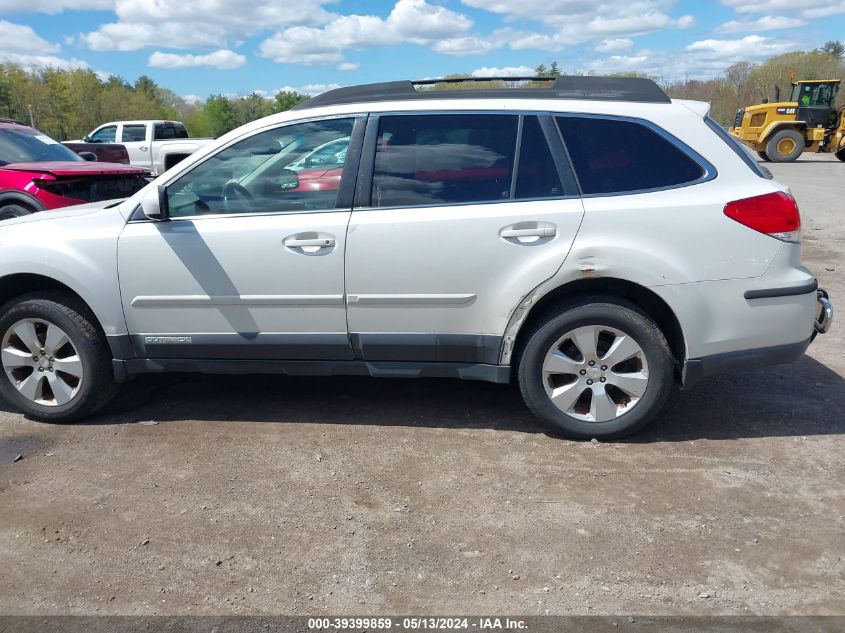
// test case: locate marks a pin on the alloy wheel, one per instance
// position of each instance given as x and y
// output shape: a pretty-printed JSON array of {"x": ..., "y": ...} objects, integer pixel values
[
  {"x": 595, "y": 373},
  {"x": 41, "y": 362}
]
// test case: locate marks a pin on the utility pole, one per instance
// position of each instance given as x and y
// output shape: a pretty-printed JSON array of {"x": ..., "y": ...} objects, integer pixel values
[{"x": 31, "y": 117}]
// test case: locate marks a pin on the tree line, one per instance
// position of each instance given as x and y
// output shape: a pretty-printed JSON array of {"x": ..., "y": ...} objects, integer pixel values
[{"x": 68, "y": 104}]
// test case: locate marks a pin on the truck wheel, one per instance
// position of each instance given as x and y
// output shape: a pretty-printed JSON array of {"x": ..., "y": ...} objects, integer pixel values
[
  {"x": 9, "y": 211},
  {"x": 764, "y": 156},
  {"x": 599, "y": 369},
  {"x": 785, "y": 146},
  {"x": 840, "y": 155},
  {"x": 56, "y": 366}
]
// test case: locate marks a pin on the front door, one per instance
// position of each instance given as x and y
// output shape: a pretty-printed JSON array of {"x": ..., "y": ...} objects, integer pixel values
[
  {"x": 457, "y": 218},
  {"x": 250, "y": 263}
]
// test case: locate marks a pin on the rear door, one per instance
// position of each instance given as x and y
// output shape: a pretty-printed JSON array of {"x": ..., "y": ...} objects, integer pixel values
[
  {"x": 457, "y": 217},
  {"x": 135, "y": 137}
]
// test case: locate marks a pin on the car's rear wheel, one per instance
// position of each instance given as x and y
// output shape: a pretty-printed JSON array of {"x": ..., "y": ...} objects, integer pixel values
[
  {"x": 56, "y": 365},
  {"x": 785, "y": 146},
  {"x": 9, "y": 211},
  {"x": 599, "y": 369}
]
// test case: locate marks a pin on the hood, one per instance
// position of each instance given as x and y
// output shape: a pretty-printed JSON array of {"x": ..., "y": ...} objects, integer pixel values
[
  {"x": 81, "y": 168},
  {"x": 75, "y": 211}
]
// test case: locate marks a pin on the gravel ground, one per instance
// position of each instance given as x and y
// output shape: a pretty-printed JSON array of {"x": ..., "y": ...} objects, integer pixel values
[{"x": 344, "y": 495}]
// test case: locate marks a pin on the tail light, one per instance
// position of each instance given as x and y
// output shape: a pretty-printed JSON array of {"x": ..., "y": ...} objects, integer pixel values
[{"x": 775, "y": 214}]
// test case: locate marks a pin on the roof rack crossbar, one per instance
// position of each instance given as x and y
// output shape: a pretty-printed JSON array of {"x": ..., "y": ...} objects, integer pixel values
[{"x": 587, "y": 87}]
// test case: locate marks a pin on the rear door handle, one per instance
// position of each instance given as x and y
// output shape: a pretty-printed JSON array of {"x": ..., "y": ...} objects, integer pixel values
[
  {"x": 322, "y": 242},
  {"x": 540, "y": 231}
]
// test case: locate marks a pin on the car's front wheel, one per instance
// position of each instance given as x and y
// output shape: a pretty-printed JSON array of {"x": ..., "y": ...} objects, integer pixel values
[
  {"x": 598, "y": 369},
  {"x": 56, "y": 364}
]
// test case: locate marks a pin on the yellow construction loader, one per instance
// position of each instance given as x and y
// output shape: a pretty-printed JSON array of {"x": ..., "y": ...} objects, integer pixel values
[{"x": 808, "y": 122}]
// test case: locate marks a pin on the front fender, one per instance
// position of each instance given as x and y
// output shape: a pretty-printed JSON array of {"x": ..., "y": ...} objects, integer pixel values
[{"x": 79, "y": 251}]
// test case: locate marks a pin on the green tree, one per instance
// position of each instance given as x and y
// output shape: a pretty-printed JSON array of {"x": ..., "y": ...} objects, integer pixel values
[
  {"x": 836, "y": 49},
  {"x": 287, "y": 99},
  {"x": 219, "y": 114}
]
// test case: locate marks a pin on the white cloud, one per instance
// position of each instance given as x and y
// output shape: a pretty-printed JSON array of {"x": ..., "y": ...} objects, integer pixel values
[
  {"x": 22, "y": 39},
  {"x": 594, "y": 26},
  {"x": 468, "y": 45},
  {"x": 20, "y": 44},
  {"x": 348, "y": 66},
  {"x": 410, "y": 21},
  {"x": 209, "y": 23},
  {"x": 751, "y": 46},
  {"x": 54, "y": 6},
  {"x": 806, "y": 9},
  {"x": 571, "y": 22},
  {"x": 615, "y": 44},
  {"x": 308, "y": 89},
  {"x": 222, "y": 59},
  {"x": 504, "y": 71},
  {"x": 765, "y": 23}
]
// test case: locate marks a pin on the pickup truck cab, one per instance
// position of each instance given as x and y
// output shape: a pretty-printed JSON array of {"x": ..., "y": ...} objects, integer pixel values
[{"x": 155, "y": 145}]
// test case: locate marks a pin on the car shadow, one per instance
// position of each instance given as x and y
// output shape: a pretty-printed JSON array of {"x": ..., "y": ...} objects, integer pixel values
[{"x": 800, "y": 399}]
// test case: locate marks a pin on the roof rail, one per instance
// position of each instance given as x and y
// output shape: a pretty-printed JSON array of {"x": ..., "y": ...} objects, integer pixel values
[
  {"x": 15, "y": 121},
  {"x": 638, "y": 89}
]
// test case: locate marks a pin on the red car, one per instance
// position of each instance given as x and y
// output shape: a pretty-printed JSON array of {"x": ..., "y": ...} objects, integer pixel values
[{"x": 38, "y": 173}]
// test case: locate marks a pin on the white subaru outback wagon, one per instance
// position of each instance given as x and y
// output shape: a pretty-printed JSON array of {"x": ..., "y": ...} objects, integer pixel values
[{"x": 592, "y": 240}]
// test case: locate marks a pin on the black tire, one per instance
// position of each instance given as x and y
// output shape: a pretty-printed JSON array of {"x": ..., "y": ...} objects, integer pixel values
[
  {"x": 600, "y": 311},
  {"x": 775, "y": 155},
  {"x": 78, "y": 323},
  {"x": 764, "y": 156},
  {"x": 840, "y": 155},
  {"x": 12, "y": 210}
]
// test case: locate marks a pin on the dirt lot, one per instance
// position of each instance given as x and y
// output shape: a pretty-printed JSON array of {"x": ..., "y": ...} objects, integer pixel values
[{"x": 309, "y": 496}]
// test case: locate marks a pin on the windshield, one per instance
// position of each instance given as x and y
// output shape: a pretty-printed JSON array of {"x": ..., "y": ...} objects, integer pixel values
[{"x": 25, "y": 145}]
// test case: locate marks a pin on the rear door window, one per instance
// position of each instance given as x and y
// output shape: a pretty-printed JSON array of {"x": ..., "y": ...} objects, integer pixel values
[
  {"x": 612, "y": 156},
  {"x": 536, "y": 173},
  {"x": 134, "y": 133},
  {"x": 443, "y": 159}
]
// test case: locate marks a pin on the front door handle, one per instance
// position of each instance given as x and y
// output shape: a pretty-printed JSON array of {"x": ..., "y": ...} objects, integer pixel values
[
  {"x": 540, "y": 231},
  {"x": 321, "y": 242}
]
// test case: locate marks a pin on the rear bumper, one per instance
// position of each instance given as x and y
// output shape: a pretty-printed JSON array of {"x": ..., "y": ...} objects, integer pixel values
[{"x": 695, "y": 369}]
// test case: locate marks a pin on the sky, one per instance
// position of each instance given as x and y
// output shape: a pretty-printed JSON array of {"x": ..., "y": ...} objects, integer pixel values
[{"x": 202, "y": 47}]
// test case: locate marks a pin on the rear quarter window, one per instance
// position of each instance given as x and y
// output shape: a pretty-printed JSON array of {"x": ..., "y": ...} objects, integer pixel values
[
  {"x": 739, "y": 149},
  {"x": 613, "y": 156}
]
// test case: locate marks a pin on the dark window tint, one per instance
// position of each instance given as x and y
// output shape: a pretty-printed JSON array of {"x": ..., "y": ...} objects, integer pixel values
[
  {"x": 134, "y": 133},
  {"x": 164, "y": 131},
  {"x": 536, "y": 176},
  {"x": 442, "y": 159},
  {"x": 26, "y": 145},
  {"x": 613, "y": 156}
]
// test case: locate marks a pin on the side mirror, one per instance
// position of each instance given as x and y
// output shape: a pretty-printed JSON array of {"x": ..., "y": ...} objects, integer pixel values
[
  {"x": 86, "y": 139},
  {"x": 91, "y": 157},
  {"x": 154, "y": 203}
]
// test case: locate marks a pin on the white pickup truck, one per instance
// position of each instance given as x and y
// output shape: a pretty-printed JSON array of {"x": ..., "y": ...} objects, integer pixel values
[{"x": 156, "y": 145}]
